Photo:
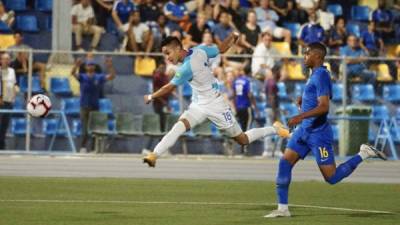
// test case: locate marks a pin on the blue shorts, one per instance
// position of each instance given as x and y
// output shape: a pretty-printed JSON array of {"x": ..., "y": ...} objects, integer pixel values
[{"x": 319, "y": 142}]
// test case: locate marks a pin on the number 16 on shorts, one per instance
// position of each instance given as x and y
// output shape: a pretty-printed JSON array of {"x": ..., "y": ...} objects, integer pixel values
[{"x": 228, "y": 116}]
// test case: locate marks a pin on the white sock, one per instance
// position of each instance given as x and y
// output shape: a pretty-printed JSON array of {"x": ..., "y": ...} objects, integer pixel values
[
  {"x": 364, "y": 155},
  {"x": 257, "y": 133},
  {"x": 283, "y": 207},
  {"x": 170, "y": 138}
]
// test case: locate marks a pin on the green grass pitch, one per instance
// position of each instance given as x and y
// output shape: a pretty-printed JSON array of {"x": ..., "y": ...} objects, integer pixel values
[{"x": 87, "y": 201}]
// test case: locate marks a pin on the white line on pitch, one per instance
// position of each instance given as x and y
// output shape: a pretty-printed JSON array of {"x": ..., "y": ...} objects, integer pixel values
[{"x": 191, "y": 203}]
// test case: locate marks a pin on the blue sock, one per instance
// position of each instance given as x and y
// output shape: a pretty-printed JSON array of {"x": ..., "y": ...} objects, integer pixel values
[
  {"x": 345, "y": 169},
  {"x": 283, "y": 180}
]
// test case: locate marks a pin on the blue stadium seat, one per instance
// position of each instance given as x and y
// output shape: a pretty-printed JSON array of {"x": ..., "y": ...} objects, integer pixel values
[
  {"x": 105, "y": 106},
  {"x": 60, "y": 86},
  {"x": 27, "y": 23},
  {"x": 174, "y": 105},
  {"x": 19, "y": 103},
  {"x": 44, "y": 5},
  {"x": 186, "y": 90},
  {"x": 282, "y": 93},
  {"x": 16, "y": 5},
  {"x": 298, "y": 89},
  {"x": 18, "y": 126},
  {"x": 293, "y": 27},
  {"x": 391, "y": 92},
  {"x": 76, "y": 128},
  {"x": 360, "y": 13},
  {"x": 353, "y": 28},
  {"x": 261, "y": 106},
  {"x": 288, "y": 109},
  {"x": 71, "y": 106},
  {"x": 398, "y": 113},
  {"x": 23, "y": 84},
  {"x": 4, "y": 28},
  {"x": 337, "y": 92},
  {"x": 112, "y": 126},
  {"x": 363, "y": 92},
  {"x": 335, "y": 131},
  {"x": 49, "y": 127},
  {"x": 335, "y": 9},
  {"x": 380, "y": 112}
]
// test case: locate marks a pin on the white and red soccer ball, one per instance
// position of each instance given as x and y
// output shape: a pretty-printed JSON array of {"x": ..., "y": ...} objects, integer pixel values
[{"x": 39, "y": 106}]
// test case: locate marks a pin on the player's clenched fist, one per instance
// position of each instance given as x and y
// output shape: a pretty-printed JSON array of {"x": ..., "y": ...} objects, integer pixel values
[{"x": 147, "y": 99}]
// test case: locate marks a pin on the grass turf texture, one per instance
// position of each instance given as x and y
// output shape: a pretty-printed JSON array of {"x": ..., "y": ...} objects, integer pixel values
[{"x": 383, "y": 197}]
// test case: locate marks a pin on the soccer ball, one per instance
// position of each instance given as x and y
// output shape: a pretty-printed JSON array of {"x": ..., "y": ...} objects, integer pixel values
[{"x": 39, "y": 106}]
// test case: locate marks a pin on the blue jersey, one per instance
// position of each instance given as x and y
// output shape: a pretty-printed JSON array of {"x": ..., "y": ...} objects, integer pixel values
[
  {"x": 178, "y": 10},
  {"x": 124, "y": 10},
  {"x": 312, "y": 33},
  {"x": 319, "y": 84},
  {"x": 91, "y": 88},
  {"x": 241, "y": 88}
]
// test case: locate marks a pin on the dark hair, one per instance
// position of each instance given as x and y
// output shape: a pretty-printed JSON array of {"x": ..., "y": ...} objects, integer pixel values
[
  {"x": 340, "y": 18},
  {"x": 319, "y": 47},
  {"x": 171, "y": 40},
  {"x": 18, "y": 32}
]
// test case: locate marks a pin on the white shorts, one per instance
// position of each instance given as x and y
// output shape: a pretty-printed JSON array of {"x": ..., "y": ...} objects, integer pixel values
[{"x": 219, "y": 113}]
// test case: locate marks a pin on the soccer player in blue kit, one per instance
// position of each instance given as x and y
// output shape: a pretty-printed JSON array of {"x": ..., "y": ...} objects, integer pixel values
[{"x": 314, "y": 133}]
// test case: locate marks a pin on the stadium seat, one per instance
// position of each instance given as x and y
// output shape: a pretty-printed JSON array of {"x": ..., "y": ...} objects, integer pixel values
[
  {"x": 288, "y": 109},
  {"x": 18, "y": 126},
  {"x": 335, "y": 131},
  {"x": 353, "y": 28},
  {"x": 128, "y": 124},
  {"x": 44, "y": 5},
  {"x": 298, "y": 89},
  {"x": 4, "y": 28},
  {"x": 98, "y": 123},
  {"x": 16, "y": 5},
  {"x": 380, "y": 112},
  {"x": 105, "y": 106},
  {"x": 151, "y": 125},
  {"x": 76, "y": 128},
  {"x": 261, "y": 106},
  {"x": 282, "y": 93},
  {"x": 174, "y": 105},
  {"x": 337, "y": 92},
  {"x": 335, "y": 9},
  {"x": 6, "y": 41},
  {"x": 391, "y": 92},
  {"x": 372, "y": 4},
  {"x": 111, "y": 126},
  {"x": 71, "y": 106},
  {"x": 398, "y": 113},
  {"x": 19, "y": 103},
  {"x": 23, "y": 84},
  {"x": 293, "y": 27},
  {"x": 49, "y": 127},
  {"x": 27, "y": 23},
  {"x": 363, "y": 92},
  {"x": 294, "y": 71},
  {"x": 383, "y": 73},
  {"x": 60, "y": 86},
  {"x": 282, "y": 47},
  {"x": 186, "y": 90},
  {"x": 360, "y": 13}
]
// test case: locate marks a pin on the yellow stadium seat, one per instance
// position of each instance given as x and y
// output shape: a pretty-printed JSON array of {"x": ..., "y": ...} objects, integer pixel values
[
  {"x": 372, "y": 4},
  {"x": 6, "y": 40},
  {"x": 144, "y": 66},
  {"x": 294, "y": 71},
  {"x": 393, "y": 51},
  {"x": 282, "y": 47},
  {"x": 382, "y": 71}
]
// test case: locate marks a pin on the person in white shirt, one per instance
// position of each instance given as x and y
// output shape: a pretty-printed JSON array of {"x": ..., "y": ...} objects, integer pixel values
[
  {"x": 83, "y": 22},
  {"x": 262, "y": 62},
  {"x": 8, "y": 91},
  {"x": 7, "y": 17},
  {"x": 139, "y": 34},
  {"x": 308, "y": 5}
]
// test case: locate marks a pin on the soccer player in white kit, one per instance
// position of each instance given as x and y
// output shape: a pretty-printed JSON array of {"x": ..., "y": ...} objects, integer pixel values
[{"x": 207, "y": 101}]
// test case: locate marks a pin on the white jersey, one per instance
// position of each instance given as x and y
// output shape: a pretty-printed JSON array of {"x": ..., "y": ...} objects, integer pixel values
[{"x": 196, "y": 70}]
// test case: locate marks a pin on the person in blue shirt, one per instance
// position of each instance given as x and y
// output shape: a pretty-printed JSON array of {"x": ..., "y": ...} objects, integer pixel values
[
  {"x": 223, "y": 29},
  {"x": 384, "y": 20},
  {"x": 371, "y": 42},
  {"x": 243, "y": 100},
  {"x": 312, "y": 31},
  {"x": 121, "y": 12},
  {"x": 313, "y": 133},
  {"x": 356, "y": 66},
  {"x": 178, "y": 14},
  {"x": 91, "y": 84}
]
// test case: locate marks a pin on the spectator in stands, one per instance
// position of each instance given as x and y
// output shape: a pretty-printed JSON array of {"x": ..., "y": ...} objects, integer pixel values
[
  {"x": 356, "y": 66},
  {"x": 91, "y": 87},
  {"x": 8, "y": 91},
  {"x": 90, "y": 58},
  {"x": 223, "y": 28},
  {"x": 337, "y": 36},
  {"x": 383, "y": 19},
  {"x": 307, "y": 5},
  {"x": 121, "y": 12},
  {"x": 371, "y": 42},
  {"x": 139, "y": 34},
  {"x": 262, "y": 63},
  {"x": 7, "y": 17},
  {"x": 160, "y": 105},
  {"x": 267, "y": 19},
  {"x": 83, "y": 22},
  {"x": 197, "y": 30},
  {"x": 149, "y": 11},
  {"x": 294, "y": 13},
  {"x": 102, "y": 11},
  {"x": 232, "y": 7},
  {"x": 160, "y": 30},
  {"x": 178, "y": 14},
  {"x": 20, "y": 61},
  {"x": 236, "y": 63},
  {"x": 251, "y": 32},
  {"x": 244, "y": 101},
  {"x": 312, "y": 31},
  {"x": 326, "y": 19}
]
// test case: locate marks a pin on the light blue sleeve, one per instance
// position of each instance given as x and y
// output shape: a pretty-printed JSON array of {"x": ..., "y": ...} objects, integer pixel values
[
  {"x": 183, "y": 74},
  {"x": 211, "y": 51}
]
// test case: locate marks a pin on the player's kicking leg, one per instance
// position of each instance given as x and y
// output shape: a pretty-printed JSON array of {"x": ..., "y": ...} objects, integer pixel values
[{"x": 167, "y": 141}]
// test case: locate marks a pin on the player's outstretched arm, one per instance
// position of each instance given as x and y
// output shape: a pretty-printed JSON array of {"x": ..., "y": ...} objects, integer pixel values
[
  {"x": 228, "y": 42},
  {"x": 321, "y": 109},
  {"x": 165, "y": 90}
]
